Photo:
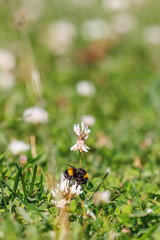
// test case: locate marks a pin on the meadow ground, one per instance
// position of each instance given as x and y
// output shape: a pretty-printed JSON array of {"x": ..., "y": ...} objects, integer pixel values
[{"x": 70, "y": 59}]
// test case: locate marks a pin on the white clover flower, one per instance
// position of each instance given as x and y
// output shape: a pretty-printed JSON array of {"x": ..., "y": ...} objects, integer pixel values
[
  {"x": 65, "y": 192},
  {"x": 60, "y": 37},
  {"x": 95, "y": 29},
  {"x": 152, "y": 34},
  {"x": 123, "y": 23},
  {"x": 85, "y": 88},
  {"x": 7, "y": 80},
  {"x": 17, "y": 147},
  {"x": 7, "y": 60},
  {"x": 101, "y": 197},
  {"x": 35, "y": 115},
  {"x": 89, "y": 120},
  {"x": 116, "y": 5},
  {"x": 82, "y": 136}
]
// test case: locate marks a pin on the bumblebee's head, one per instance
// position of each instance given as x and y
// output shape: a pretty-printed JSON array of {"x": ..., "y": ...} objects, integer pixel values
[{"x": 69, "y": 173}]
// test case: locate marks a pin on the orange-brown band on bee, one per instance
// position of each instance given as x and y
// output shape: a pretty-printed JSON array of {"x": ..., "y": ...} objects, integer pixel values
[
  {"x": 70, "y": 171},
  {"x": 86, "y": 175}
]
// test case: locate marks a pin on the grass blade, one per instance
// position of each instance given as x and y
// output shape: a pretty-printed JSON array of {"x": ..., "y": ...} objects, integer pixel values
[
  {"x": 16, "y": 183},
  {"x": 11, "y": 190},
  {"x": 33, "y": 161},
  {"x": 41, "y": 182},
  {"x": 136, "y": 194},
  {"x": 24, "y": 189},
  {"x": 99, "y": 186},
  {"x": 33, "y": 178}
]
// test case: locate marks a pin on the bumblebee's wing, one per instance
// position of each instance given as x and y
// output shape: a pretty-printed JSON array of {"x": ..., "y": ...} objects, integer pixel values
[
  {"x": 71, "y": 166},
  {"x": 81, "y": 170}
]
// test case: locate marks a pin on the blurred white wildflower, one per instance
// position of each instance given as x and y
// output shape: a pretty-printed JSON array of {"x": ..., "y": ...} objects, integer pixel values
[
  {"x": 85, "y": 88},
  {"x": 35, "y": 115},
  {"x": 64, "y": 193},
  {"x": 7, "y": 60},
  {"x": 152, "y": 34},
  {"x": 7, "y": 80},
  {"x": 101, "y": 197},
  {"x": 60, "y": 37},
  {"x": 116, "y": 5},
  {"x": 88, "y": 120},
  {"x": 95, "y": 29},
  {"x": 17, "y": 147},
  {"x": 30, "y": 6},
  {"x": 82, "y": 136},
  {"x": 123, "y": 23}
]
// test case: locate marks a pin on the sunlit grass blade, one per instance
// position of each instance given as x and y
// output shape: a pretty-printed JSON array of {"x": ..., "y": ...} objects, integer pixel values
[
  {"x": 41, "y": 182},
  {"x": 24, "y": 188},
  {"x": 16, "y": 183},
  {"x": 99, "y": 186},
  {"x": 1, "y": 158},
  {"x": 33, "y": 161},
  {"x": 2, "y": 194},
  {"x": 33, "y": 178},
  {"x": 11, "y": 190}
]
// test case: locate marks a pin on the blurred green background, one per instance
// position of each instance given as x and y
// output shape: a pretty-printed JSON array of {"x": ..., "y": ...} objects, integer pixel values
[{"x": 108, "y": 49}]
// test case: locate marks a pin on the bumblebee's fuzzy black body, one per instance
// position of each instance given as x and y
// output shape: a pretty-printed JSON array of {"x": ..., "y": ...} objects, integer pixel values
[{"x": 78, "y": 174}]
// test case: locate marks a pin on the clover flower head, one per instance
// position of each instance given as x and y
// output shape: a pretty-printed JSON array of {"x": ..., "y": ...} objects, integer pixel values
[
  {"x": 82, "y": 136},
  {"x": 65, "y": 192}
]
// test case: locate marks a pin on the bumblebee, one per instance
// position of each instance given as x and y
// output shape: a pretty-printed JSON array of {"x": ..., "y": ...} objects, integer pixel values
[{"x": 78, "y": 174}]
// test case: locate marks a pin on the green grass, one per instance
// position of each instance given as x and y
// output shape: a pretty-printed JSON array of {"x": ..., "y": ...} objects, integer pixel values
[{"x": 126, "y": 107}]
